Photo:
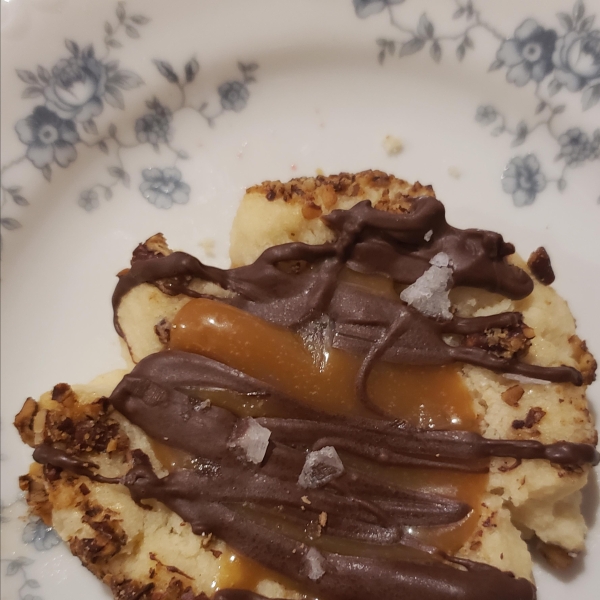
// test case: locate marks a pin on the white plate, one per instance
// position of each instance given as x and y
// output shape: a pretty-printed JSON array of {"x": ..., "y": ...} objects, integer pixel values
[{"x": 258, "y": 90}]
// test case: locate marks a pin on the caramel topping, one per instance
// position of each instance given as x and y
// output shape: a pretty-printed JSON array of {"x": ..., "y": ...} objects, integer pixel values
[
  {"x": 316, "y": 345},
  {"x": 241, "y": 573},
  {"x": 426, "y": 397}
]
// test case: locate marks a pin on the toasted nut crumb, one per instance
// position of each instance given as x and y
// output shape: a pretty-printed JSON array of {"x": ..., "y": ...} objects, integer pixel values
[
  {"x": 541, "y": 267},
  {"x": 305, "y": 500},
  {"x": 392, "y": 145},
  {"x": 153, "y": 247},
  {"x": 512, "y": 395},
  {"x": 24, "y": 421},
  {"x": 323, "y": 519},
  {"x": 163, "y": 331},
  {"x": 585, "y": 361},
  {"x": 61, "y": 392},
  {"x": 311, "y": 211},
  {"x": 534, "y": 416}
]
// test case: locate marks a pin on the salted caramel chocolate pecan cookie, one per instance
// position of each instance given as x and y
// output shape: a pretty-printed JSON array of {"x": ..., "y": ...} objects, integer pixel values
[{"x": 371, "y": 402}]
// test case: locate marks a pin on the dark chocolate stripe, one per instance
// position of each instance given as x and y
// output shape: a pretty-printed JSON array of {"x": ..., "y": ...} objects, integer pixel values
[
  {"x": 345, "y": 577},
  {"x": 369, "y": 241}
]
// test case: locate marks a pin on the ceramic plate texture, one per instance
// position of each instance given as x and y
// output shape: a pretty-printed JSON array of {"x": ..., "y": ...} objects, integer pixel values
[{"x": 121, "y": 119}]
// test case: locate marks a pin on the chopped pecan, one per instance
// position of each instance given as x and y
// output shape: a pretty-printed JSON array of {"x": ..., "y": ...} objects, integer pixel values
[
  {"x": 153, "y": 247},
  {"x": 36, "y": 494},
  {"x": 512, "y": 395},
  {"x": 507, "y": 342},
  {"x": 585, "y": 361},
  {"x": 129, "y": 590},
  {"x": 110, "y": 536},
  {"x": 311, "y": 211},
  {"x": 533, "y": 417},
  {"x": 169, "y": 568},
  {"x": 541, "y": 267},
  {"x": 24, "y": 421},
  {"x": 62, "y": 392},
  {"x": 163, "y": 331}
]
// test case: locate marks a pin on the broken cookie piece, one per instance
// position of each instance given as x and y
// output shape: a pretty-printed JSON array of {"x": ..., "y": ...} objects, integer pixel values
[{"x": 307, "y": 350}]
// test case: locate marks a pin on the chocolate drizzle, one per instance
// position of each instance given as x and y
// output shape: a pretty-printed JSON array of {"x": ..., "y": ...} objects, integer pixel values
[
  {"x": 225, "y": 496},
  {"x": 221, "y": 494},
  {"x": 370, "y": 241}
]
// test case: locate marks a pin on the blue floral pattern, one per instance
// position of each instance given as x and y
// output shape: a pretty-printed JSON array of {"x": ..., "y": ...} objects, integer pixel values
[
  {"x": 17, "y": 567},
  {"x": 366, "y": 8},
  {"x": 79, "y": 87},
  {"x": 528, "y": 55},
  {"x": 522, "y": 178},
  {"x": 155, "y": 126},
  {"x": 42, "y": 537},
  {"x": 163, "y": 187},
  {"x": 538, "y": 57},
  {"x": 48, "y": 138}
]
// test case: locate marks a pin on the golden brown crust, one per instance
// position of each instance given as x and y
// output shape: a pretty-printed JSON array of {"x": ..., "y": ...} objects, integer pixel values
[
  {"x": 322, "y": 192},
  {"x": 586, "y": 363},
  {"x": 98, "y": 521}
]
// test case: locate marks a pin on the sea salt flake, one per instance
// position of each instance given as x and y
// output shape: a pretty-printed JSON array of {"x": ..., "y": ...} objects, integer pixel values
[
  {"x": 315, "y": 563},
  {"x": 429, "y": 293},
  {"x": 523, "y": 379},
  {"x": 204, "y": 405},
  {"x": 441, "y": 259},
  {"x": 428, "y": 235},
  {"x": 252, "y": 438},
  {"x": 320, "y": 467},
  {"x": 316, "y": 336}
]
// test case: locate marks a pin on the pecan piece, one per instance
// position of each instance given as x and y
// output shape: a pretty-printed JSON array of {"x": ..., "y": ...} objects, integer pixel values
[{"x": 541, "y": 267}]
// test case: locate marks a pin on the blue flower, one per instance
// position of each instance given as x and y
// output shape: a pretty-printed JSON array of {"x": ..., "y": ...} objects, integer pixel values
[
  {"x": 577, "y": 59},
  {"x": 163, "y": 187},
  {"x": 366, "y": 8},
  {"x": 575, "y": 146},
  {"x": 234, "y": 95},
  {"x": 522, "y": 178},
  {"x": 40, "y": 535},
  {"x": 486, "y": 114},
  {"x": 76, "y": 87},
  {"x": 88, "y": 199},
  {"x": 528, "y": 55},
  {"x": 154, "y": 127},
  {"x": 48, "y": 138}
]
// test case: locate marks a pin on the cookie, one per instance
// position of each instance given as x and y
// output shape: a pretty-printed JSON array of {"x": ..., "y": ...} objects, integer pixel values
[{"x": 144, "y": 550}]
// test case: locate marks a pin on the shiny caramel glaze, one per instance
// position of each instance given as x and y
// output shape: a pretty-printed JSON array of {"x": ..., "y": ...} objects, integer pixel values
[
  {"x": 424, "y": 396},
  {"x": 323, "y": 379}
]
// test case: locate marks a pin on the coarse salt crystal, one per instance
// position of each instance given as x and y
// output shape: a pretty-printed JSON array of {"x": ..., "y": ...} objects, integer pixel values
[
  {"x": 315, "y": 562},
  {"x": 429, "y": 293},
  {"x": 441, "y": 259},
  {"x": 428, "y": 235},
  {"x": 316, "y": 337},
  {"x": 523, "y": 379},
  {"x": 320, "y": 467},
  {"x": 252, "y": 438}
]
